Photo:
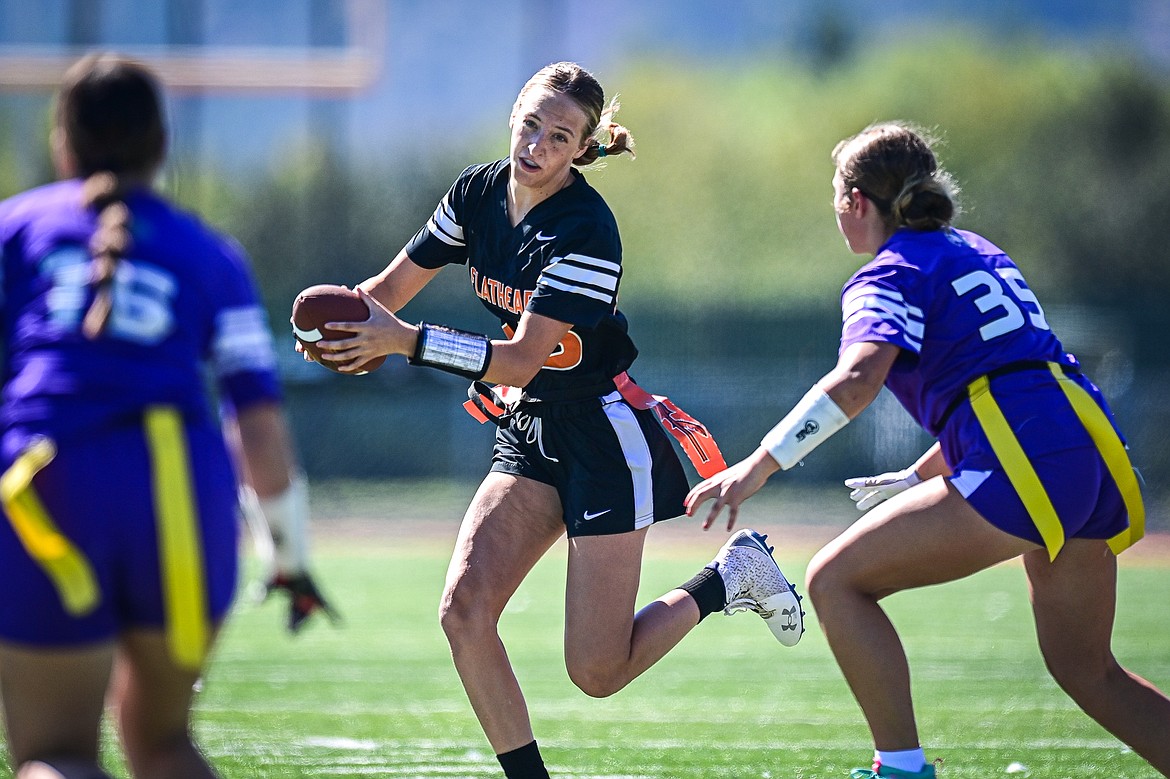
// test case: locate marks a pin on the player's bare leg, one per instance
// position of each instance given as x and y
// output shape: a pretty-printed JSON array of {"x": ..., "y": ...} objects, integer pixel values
[
  {"x": 509, "y": 526},
  {"x": 1074, "y": 599},
  {"x": 152, "y": 698},
  {"x": 926, "y": 535},
  {"x": 606, "y": 644},
  {"x": 53, "y": 706}
]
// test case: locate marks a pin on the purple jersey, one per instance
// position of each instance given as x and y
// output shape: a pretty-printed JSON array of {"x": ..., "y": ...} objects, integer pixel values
[
  {"x": 956, "y": 305},
  {"x": 958, "y": 309},
  {"x": 183, "y": 299}
]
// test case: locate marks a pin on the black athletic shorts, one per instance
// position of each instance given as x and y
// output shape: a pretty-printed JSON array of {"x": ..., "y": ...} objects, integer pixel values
[{"x": 614, "y": 467}]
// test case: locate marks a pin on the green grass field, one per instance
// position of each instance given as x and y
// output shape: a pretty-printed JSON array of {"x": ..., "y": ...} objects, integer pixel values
[{"x": 379, "y": 697}]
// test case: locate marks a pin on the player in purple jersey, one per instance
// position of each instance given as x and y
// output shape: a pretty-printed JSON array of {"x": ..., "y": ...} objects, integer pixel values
[
  {"x": 1028, "y": 461},
  {"x": 118, "y": 497},
  {"x": 578, "y": 450}
]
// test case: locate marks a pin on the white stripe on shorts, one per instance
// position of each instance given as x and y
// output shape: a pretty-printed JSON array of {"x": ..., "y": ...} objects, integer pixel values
[
  {"x": 967, "y": 482},
  {"x": 638, "y": 459}
]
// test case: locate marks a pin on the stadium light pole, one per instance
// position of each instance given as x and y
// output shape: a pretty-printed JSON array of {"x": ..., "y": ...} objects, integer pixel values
[{"x": 185, "y": 20}]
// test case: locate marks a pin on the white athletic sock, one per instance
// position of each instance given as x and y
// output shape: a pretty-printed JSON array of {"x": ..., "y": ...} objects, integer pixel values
[{"x": 904, "y": 760}]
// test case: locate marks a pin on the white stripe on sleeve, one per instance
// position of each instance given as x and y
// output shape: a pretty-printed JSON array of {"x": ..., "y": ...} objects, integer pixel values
[
  {"x": 242, "y": 341},
  {"x": 443, "y": 226},
  {"x": 582, "y": 275},
  {"x": 887, "y": 305}
]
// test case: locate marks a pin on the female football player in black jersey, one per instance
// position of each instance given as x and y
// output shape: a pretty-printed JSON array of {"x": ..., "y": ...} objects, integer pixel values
[{"x": 580, "y": 448}]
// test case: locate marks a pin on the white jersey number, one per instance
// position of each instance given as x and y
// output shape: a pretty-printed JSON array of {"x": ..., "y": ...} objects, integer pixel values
[
  {"x": 996, "y": 298},
  {"x": 142, "y": 296}
]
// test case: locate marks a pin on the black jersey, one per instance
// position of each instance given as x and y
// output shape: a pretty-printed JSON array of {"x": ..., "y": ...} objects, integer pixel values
[{"x": 562, "y": 261}]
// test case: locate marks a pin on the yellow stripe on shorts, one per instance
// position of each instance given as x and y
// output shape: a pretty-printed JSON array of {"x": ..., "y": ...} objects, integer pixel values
[
  {"x": 1113, "y": 453},
  {"x": 65, "y": 565},
  {"x": 1016, "y": 465},
  {"x": 180, "y": 549}
]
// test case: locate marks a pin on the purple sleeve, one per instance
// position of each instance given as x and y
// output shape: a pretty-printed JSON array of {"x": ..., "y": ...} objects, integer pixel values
[
  {"x": 877, "y": 304},
  {"x": 241, "y": 350}
]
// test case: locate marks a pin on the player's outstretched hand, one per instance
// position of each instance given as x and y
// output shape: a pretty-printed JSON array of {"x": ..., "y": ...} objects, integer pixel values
[
  {"x": 868, "y": 491},
  {"x": 731, "y": 487},
  {"x": 304, "y": 598}
]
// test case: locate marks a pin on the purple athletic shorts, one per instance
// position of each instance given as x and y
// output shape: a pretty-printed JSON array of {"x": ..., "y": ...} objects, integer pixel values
[
  {"x": 97, "y": 492},
  {"x": 1083, "y": 493},
  {"x": 1066, "y": 460}
]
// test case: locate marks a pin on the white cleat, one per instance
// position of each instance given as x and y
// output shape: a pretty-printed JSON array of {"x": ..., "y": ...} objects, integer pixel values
[{"x": 754, "y": 582}]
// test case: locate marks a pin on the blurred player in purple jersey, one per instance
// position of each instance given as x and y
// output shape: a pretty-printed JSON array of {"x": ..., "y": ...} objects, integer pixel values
[
  {"x": 580, "y": 450},
  {"x": 118, "y": 496},
  {"x": 1028, "y": 461}
]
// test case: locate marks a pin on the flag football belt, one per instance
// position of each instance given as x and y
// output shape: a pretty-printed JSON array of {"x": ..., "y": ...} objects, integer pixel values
[
  {"x": 66, "y": 566},
  {"x": 485, "y": 403},
  {"x": 184, "y": 590},
  {"x": 1003, "y": 370},
  {"x": 1027, "y": 483},
  {"x": 495, "y": 404},
  {"x": 180, "y": 546}
]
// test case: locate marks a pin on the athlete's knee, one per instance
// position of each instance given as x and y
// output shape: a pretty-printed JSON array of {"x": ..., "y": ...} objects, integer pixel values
[
  {"x": 597, "y": 677},
  {"x": 463, "y": 616},
  {"x": 1079, "y": 673},
  {"x": 823, "y": 579},
  {"x": 834, "y": 574}
]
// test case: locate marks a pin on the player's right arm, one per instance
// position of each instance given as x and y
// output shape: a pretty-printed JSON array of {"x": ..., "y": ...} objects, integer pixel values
[
  {"x": 931, "y": 463},
  {"x": 399, "y": 282},
  {"x": 869, "y": 491},
  {"x": 438, "y": 243},
  {"x": 393, "y": 288},
  {"x": 838, "y": 397}
]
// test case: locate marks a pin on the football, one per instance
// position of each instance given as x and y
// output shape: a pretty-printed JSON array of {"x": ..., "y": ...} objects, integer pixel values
[{"x": 323, "y": 303}]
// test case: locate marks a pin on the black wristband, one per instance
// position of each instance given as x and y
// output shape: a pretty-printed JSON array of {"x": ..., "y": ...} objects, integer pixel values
[{"x": 453, "y": 351}]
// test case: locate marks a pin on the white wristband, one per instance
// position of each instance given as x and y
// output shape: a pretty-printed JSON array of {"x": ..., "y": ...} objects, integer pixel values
[
  {"x": 287, "y": 515},
  {"x": 257, "y": 528},
  {"x": 804, "y": 428}
]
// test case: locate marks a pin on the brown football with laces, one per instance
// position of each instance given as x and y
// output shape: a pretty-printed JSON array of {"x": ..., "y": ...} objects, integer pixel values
[{"x": 324, "y": 303}]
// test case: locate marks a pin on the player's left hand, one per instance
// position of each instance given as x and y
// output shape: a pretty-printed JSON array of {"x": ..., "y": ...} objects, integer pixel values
[
  {"x": 731, "y": 487},
  {"x": 380, "y": 335},
  {"x": 304, "y": 598},
  {"x": 868, "y": 491}
]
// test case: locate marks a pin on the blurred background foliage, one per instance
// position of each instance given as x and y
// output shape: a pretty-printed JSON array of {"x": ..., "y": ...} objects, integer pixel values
[
  {"x": 1062, "y": 158},
  {"x": 733, "y": 264},
  {"x": 733, "y": 261}
]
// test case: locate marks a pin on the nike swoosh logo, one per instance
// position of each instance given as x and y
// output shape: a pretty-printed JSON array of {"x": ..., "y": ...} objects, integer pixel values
[
  {"x": 595, "y": 514},
  {"x": 542, "y": 237}
]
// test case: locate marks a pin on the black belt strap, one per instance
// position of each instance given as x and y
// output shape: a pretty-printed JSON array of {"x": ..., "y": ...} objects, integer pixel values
[
  {"x": 1003, "y": 370},
  {"x": 485, "y": 404}
]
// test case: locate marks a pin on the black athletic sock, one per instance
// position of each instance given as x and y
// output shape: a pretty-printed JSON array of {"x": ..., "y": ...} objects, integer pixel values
[
  {"x": 523, "y": 763},
  {"x": 708, "y": 591}
]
